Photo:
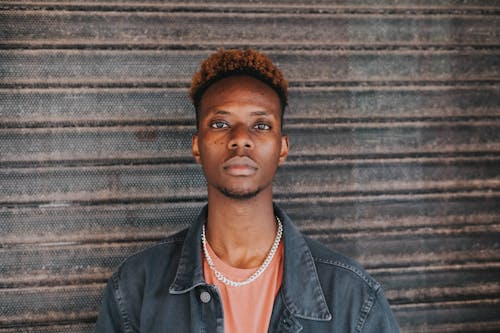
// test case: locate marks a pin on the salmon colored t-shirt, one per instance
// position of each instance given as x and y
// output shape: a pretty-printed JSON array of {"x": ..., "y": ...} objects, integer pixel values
[{"x": 247, "y": 309}]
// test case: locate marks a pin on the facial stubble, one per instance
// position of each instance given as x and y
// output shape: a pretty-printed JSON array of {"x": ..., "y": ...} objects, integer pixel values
[{"x": 238, "y": 195}]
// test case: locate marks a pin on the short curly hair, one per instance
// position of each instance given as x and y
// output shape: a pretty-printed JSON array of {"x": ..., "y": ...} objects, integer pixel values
[{"x": 224, "y": 63}]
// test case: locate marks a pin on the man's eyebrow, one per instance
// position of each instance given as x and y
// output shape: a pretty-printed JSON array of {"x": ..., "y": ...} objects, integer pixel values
[
  {"x": 254, "y": 113},
  {"x": 221, "y": 112},
  {"x": 261, "y": 113}
]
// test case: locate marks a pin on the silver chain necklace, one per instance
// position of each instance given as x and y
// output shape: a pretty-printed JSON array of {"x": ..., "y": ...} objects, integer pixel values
[{"x": 257, "y": 273}]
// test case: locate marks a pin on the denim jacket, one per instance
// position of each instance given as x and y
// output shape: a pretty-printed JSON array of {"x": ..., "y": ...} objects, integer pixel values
[{"x": 162, "y": 289}]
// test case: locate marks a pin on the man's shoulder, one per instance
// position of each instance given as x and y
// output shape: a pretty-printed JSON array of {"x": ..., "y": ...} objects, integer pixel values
[
  {"x": 332, "y": 263},
  {"x": 353, "y": 296}
]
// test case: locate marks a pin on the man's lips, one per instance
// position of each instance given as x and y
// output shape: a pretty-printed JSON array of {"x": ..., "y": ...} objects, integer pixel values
[{"x": 240, "y": 166}]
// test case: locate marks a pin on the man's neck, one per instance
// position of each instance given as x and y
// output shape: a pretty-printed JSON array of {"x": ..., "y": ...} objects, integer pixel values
[{"x": 241, "y": 232}]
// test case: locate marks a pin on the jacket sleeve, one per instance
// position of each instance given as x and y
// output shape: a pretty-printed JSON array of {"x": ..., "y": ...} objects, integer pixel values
[
  {"x": 380, "y": 318},
  {"x": 110, "y": 319}
]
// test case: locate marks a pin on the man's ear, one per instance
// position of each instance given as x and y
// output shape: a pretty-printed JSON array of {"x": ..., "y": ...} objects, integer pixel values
[
  {"x": 195, "y": 148},
  {"x": 284, "y": 149}
]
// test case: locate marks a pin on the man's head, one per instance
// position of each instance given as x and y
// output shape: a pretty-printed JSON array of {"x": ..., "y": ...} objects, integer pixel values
[
  {"x": 225, "y": 63},
  {"x": 239, "y": 141}
]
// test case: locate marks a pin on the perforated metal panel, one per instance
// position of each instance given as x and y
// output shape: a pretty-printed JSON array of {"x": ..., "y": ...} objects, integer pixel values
[{"x": 394, "y": 125}]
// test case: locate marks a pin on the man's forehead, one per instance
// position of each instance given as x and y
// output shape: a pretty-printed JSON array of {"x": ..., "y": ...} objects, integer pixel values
[
  {"x": 240, "y": 82},
  {"x": 242, "y": 90}
]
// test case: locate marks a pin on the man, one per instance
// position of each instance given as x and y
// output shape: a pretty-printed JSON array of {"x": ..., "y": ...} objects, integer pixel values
[{"x": 242, "y": 266}]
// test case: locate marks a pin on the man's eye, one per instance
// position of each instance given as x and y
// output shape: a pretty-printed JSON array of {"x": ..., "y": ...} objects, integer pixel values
[
  {"x": 262, "y": 126},
  {"x": 218, "y": 124}
]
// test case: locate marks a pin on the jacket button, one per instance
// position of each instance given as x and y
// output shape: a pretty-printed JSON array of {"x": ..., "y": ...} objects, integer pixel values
[{"x": 205, "y": 297}]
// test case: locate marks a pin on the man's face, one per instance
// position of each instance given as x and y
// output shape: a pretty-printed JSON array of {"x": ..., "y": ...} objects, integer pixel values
[{"x": 239, "y": 142}]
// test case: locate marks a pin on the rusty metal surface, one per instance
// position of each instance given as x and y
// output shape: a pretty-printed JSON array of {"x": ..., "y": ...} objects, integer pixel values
[
  {"x": 169, "y": 67},
  {"x": 394, "y": 123},
  {"x": 144, "y": 29}
]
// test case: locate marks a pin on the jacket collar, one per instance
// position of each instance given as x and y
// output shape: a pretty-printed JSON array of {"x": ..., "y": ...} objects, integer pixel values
[
  {"x": 301, "y": 289},
  {"x": 190, "y": 268},
  {"x": 302, "y": 292}
]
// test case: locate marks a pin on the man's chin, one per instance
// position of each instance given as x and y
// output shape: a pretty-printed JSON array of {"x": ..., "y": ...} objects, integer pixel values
[{"x": 239, "y": 194}]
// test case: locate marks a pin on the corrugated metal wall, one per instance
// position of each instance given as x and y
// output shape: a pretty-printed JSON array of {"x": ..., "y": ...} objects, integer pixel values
[{"x": 394, "y": 122}]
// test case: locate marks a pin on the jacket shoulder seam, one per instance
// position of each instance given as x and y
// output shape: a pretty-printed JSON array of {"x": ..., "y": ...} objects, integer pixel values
[{"x": 373, "y": 284}]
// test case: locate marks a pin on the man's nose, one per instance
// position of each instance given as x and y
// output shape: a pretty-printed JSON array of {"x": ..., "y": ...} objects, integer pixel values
[{"x": 240, "y": 138}]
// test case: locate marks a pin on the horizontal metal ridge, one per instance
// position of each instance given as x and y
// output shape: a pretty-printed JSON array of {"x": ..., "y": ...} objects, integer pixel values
[
  {"x": 100, "y": 107},
  {"x": 153, "y": 84},
  {"x": 60, "y": 223},
  {"x": 295, "y": 89},
  {"x": 74, "y": 304},
  {"x": 388, "y": 262},
  {"x": 150, "y": 227},
  {"x": 490, "y": 302},
  {"x": 421, "y": 158},
  {"x": 474, "y": 326},
  {"x": 242, "y": 7},
  {"x": 414, "y": 271},
  {"x": 403, "y": 122},
  {"x": 470, "y": 291},
  {"x": 212, "y": 46},
  {"x": 77, "y": 327},
  {"x": 419, "y": 224},
  {"x": 295, "y": 120},
  {"x": 200, "y": 54},
  {"x": 478, "y": 192},
  {"x": 266, "y": 12},
  {"x": 470, "y": 229},
  {"x": 270, "y": 29},
  {"x": 319, "y": 141}
]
